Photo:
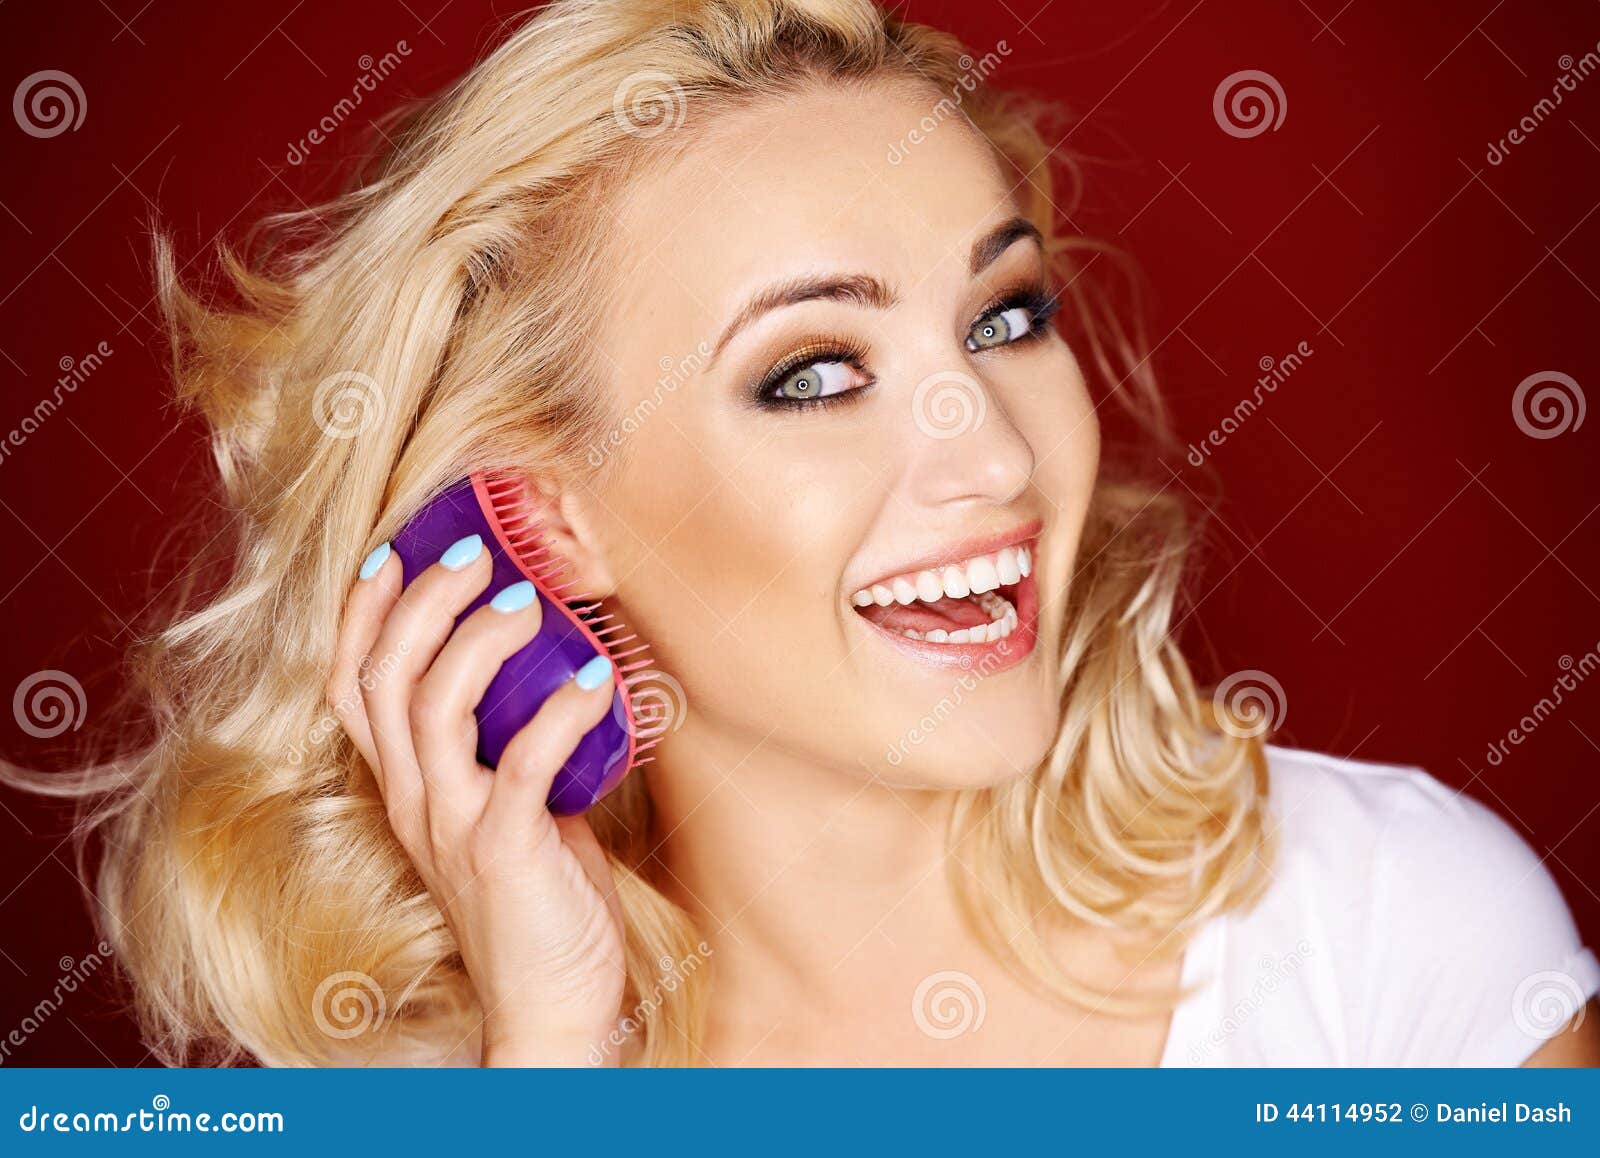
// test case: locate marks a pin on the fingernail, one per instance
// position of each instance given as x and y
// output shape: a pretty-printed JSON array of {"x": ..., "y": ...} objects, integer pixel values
[
  {"x": 594, "y": 673},
  {"x": 461, "y": 552},
  {"x": 515, "y": 597},
  {"x": 370, "y": 565}
]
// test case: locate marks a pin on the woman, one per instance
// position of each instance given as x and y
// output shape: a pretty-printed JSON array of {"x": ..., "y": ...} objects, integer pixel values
[{"x": 770, "y": 364}]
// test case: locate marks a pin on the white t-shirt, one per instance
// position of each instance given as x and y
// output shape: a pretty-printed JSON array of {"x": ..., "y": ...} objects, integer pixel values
[{"x": 1405, "y": 925}]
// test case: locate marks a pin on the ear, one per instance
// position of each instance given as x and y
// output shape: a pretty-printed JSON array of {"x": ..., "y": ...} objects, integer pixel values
[{"x": 568, "y": 532}]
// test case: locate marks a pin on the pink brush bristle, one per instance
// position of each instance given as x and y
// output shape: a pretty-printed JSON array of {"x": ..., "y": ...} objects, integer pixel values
[{"x": 521, "y": 532}]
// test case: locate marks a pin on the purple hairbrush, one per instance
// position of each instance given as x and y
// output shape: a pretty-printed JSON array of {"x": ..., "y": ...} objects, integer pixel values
[{"x": 571, "y": 633}]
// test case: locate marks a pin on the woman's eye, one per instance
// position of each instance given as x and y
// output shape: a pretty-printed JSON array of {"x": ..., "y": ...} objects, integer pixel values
[
  {"x": 814, "y": 380},
  {"x": 1000, "y": 326}
]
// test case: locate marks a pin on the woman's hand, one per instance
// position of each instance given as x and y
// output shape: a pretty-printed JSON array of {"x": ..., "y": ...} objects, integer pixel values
[{"x": 528, "y": 896}]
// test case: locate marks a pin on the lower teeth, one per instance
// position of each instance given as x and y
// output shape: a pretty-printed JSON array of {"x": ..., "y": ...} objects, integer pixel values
[{"x": 1002, "y": 622}]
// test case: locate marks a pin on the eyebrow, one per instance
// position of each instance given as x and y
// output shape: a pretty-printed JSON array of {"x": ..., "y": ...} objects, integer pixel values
[
  {"x": 864, "y": 289},
  {"x": 988, "y": 248}
]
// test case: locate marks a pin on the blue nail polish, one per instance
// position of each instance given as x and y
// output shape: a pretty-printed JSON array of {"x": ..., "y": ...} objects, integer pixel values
[
  {"x": 594, "y": 673},
  {"x": 461, "y": 552},
  {"x": 378, "y": 557},
  {"x": 515, "y": 597}
]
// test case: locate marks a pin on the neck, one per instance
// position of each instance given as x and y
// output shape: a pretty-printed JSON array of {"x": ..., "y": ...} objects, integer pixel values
[{"x": 788, "y": 867}]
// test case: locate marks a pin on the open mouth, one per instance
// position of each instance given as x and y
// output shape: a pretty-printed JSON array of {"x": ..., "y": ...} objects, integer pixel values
[
  {"x": 974, "y": 601},
  {"x": 982, "y": 604}
]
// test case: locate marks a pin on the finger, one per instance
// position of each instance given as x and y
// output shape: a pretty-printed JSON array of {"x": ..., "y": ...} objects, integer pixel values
[
  {"x": 443, "y": 726},
  {"x": 376, "y": 588},
  {"x": 413, "y": 633},
  {"x": 537, "y": 752},
  {"x": 580, "y": 838}
]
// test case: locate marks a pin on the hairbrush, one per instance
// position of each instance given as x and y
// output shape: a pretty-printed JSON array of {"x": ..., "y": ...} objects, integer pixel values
[{"x": 571, "y": 632}]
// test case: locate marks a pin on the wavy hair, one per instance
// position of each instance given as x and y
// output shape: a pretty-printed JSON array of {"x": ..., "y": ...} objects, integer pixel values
[{"x": 418, "y": 326}]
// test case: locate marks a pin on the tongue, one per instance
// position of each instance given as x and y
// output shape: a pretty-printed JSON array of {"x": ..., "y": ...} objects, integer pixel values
[{"x": 948, "y": 614}]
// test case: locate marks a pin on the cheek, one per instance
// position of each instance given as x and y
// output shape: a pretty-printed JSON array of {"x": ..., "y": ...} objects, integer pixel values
[
  {"x": 976, "y": 734},
  {"x": 1062, "y": 426},
  {"x": 728, "y": 546},
  {"x": 1063, "y": 429}
]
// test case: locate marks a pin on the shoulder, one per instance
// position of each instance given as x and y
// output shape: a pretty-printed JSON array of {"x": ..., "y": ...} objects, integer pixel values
[
  {"x": 1371, "y": 816},
  {"x": 1372, "y": 826},
  {"x": 1448, "y": 940}
]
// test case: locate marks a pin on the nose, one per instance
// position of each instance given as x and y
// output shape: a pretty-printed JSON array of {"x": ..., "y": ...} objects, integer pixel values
[{"x": 965, "y": 446}]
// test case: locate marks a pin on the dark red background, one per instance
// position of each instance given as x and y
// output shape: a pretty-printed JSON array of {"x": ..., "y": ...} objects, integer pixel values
[{"x": 1405, "y": 561}]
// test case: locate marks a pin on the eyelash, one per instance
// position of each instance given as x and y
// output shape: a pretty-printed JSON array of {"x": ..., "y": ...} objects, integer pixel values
[
  {"x": 1037, "y": 300},
  {"x": 849, "y": 351}
]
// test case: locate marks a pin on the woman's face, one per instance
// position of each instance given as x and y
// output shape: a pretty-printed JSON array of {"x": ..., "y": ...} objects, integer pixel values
[{"x": 845, "y": 428}]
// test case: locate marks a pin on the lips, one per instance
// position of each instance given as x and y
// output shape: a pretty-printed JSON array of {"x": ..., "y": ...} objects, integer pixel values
[{"x": 975, "y": 601}]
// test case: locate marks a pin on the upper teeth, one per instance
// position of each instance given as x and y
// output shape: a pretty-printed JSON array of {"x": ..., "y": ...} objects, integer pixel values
[{"x": 957, "y": 580}]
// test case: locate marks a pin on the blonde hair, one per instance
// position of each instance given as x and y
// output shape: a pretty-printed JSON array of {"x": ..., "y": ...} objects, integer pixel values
[{"x": 249, "y": 880}]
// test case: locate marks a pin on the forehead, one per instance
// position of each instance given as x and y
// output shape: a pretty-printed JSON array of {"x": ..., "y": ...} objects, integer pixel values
[{"x": 833, "y": 177}]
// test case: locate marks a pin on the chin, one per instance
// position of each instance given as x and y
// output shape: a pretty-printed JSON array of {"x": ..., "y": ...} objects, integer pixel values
[{"x": 993, "y": 737}]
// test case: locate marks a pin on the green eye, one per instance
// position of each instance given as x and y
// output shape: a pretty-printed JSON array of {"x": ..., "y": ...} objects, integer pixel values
[
  {"x": 813, "y": 380},
  {"x": 1000, "y": 326}
]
